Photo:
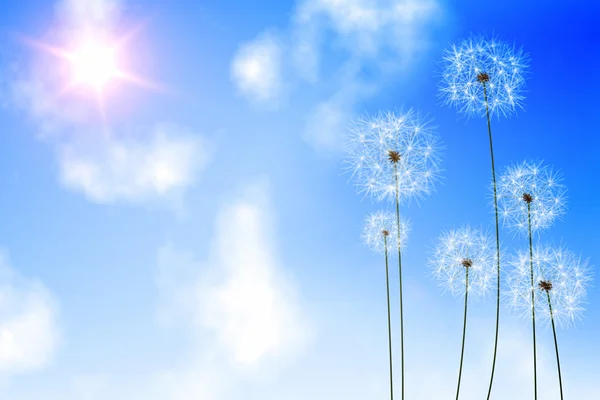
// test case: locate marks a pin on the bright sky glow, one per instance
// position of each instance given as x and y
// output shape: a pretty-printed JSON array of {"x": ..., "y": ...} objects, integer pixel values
[{"x": 94, "y": 64}]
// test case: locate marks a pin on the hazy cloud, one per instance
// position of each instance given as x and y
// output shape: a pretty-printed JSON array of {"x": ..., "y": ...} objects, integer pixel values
[
  {"x": 29, "y": 333},
  {"x": 329, "y": 43},
  {"x": 257, "y": 69},
  {"x": 107, "y": 170},
  {"x": 245, "y": 296}
]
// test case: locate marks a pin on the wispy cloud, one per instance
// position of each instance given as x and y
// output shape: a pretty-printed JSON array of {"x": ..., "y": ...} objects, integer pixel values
[
  {"x": 106, "y": 170},
  {"x": 254, "y": 307},
  {"x": 109, "y": 164},
  {"x": 29, "y": 333},
  {"x": 329, "y": 43},
  {"x": 241, "y": 303},
  {"x": 244, "y": 296},
  {"x": 257, "y": 70}
]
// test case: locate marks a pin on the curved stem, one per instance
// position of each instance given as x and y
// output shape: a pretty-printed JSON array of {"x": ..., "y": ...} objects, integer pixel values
[
  {"x": 462, "y": 352},
  {"x": 400, "y": 278},
  {"x": 532, "y": 301},
  {"x": 387, "y": 282},
  {"x": 487, "y": 111},
  {"x": 555, "y": 346}
]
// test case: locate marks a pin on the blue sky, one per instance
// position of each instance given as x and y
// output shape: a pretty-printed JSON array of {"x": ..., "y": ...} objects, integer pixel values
[{"x": 201, "y": 240}]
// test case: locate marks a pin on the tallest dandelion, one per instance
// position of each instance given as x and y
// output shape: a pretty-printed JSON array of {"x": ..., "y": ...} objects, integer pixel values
[{"x": 485, "y": 77}]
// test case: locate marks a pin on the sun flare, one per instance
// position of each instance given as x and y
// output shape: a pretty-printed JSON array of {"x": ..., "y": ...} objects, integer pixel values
[{"x": 94, "y": 64}]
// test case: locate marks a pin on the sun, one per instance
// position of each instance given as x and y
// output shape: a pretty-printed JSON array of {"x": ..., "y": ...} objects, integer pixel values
[
  {"x": 94, "y": 64},
  {"x": 93, "y": 61}
]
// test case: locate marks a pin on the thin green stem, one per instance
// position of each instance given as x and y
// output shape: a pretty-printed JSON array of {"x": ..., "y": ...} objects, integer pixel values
[
  {"x": 555, "y": 345},
  {"x": 487, "y": 111},
  {"x": 532, "y": 300},
  {"x": 400, "y": 277},
  {"x": 462, "y": 352},
  {"x": 387, "y": 282}
]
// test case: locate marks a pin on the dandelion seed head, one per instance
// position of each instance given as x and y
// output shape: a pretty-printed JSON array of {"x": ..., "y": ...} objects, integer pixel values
[
  {"x": 380, "y": 227},
  {"x": 461, "y": 249},
  {"x": 477, "y": 62},
  {"x": 530, "y": 188},
  {"x": 483, "y": 77},
  {"x": 394, "y": 152},
  {"x": 394, "y": 156},
  {"x": 527, "y": 198},
  {"x": 558, "y": 273},
  {"x": 545, "y": 285}
]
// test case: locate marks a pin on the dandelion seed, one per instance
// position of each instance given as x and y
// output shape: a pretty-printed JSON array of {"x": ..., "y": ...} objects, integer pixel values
[
  {"x": 470, "y": 253},
  {"x": 479, "y": 65},
  {"x": 557, "y": 272},
  {"x": 550, "y": 283},
  {"x": 465, "y": 248},
  {"x": 381, "y": 224},
  {"x": 378, "y": 228},
  {"x": 530, "y": 190},
  {"x": 394, "y": 146}
]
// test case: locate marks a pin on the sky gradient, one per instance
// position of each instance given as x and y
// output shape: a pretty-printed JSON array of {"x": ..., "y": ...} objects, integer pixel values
[{"x": 199, "y": 240}]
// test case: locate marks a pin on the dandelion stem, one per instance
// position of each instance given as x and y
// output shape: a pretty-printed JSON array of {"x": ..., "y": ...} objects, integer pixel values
[
  {"x": 462, "y": 352},
  {"x": 532, "y": 300},
  {"x": 555, "y": 345},
  {"x": 487, "y": 111},
  {"x": 400, "y": 278},
  {"x": 387, "y": 282}
]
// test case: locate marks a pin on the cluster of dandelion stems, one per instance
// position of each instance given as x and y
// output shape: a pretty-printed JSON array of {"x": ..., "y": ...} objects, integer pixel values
[
  {"x": 483, "y": 78},
  {"x": 486, "y": 77}
]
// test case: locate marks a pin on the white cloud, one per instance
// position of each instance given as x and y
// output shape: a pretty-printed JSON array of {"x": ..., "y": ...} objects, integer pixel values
[
  {"x": 245, "y": 297},
  {"x": 29, "y": 332},
  {"x": 329, "y": 43},
  {"x": 257, "y": 69},
  {"x": 365, "y": 27},
  {"x": 254, "y": 310},
  {"x": 241, "y": 304},
  {"x": 107, "y": 170}
]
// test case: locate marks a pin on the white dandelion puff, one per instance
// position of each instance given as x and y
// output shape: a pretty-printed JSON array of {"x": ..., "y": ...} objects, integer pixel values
[
  {"x": 558, "y": 274},
  {"x": 482, "y": 74},
  {"x": 380, "y": 227},
  {"x": 463, "y": 248},
  {"x": 394, "y": 153},
  {"x": 464, "y": 264},
  {"x": 530, "y": 192},
  {"x": 379, "y": 230}
]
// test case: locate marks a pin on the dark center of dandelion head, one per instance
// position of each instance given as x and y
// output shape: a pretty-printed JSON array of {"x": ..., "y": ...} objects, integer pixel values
[
  {"x": 527, "y": 198},
  {"x": 467, "y": 263},
  {"x": 546, "y": 285},
  {"x": 385, "y": 232},
  {"x": 394, "y": 156},
  {"x": 483, "y": 77}
]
